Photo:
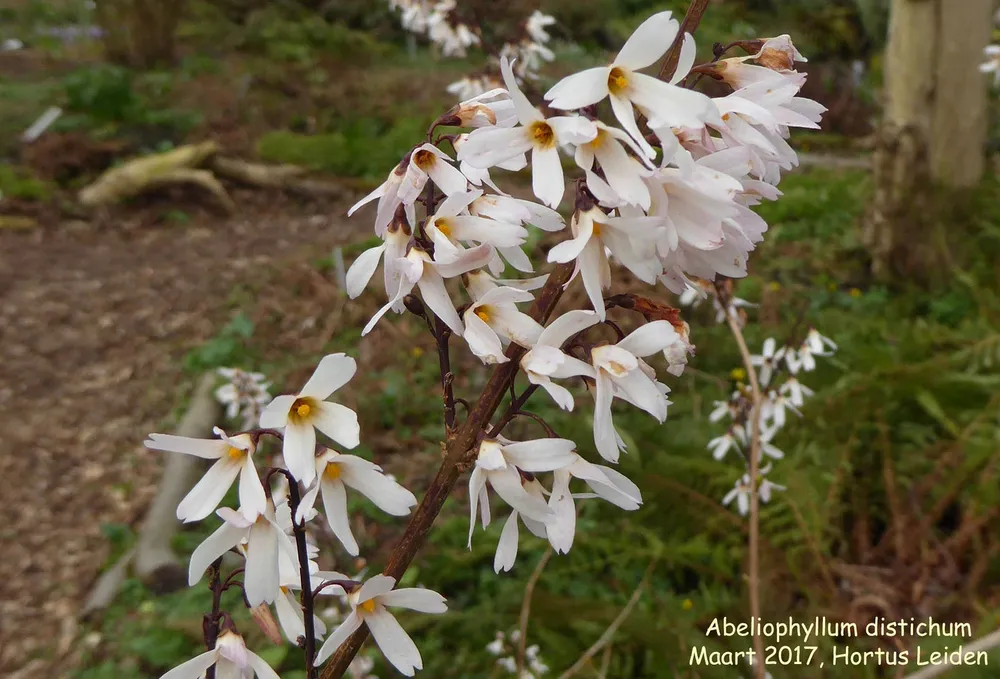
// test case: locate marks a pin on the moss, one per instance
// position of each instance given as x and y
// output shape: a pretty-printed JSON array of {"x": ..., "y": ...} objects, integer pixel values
[{"x": 18, "y": 183}]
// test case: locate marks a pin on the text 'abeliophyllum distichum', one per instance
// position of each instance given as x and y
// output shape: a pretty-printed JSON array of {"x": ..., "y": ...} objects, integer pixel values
[{"x": 662, "y": 184}]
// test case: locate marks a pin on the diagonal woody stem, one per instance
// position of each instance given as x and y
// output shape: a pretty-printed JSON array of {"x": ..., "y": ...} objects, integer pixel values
[{"x": 460, "y": 449}]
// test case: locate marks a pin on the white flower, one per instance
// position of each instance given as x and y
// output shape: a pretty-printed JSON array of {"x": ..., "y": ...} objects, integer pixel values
[
  {"x": 535, "y": 26},
  {"x": 721, "y": 445},
  {"x": 774, "y": 406},
  {"x": 368, "y": 604},
  {"x": 992, "y": 53},
  {"x": 408, "y": 179},
  {"x": 231, "y": 658},
  {"x": 395, "y": 240},
  {"x": 487, "y": 147},
  {"x": 630, "y": 240},
  {"x": 495, "y": 647},
  {"x": 336, "y": 473},
  {"x": 500, "y": 462},
  {"x": 245, "y": 393},
  {"x": 546, "y": 360},
  {"x": 604, "y": 482},
  {"x": 795, "y": 391},
  {"x": 302, "y": 414},
  {"x": 624, "y": 176},
  {"x": 427, "y": 274},
  {"x": 506, "y": 552},
  {"x": 234, "y": 458},
  {"x": 767, "y": 361},
  {"x": 741, "y": 491},
  {"x": 622, "y": 373},
  {"x": 493, "y": 321},
  {"x": 661, "y": 102},
  {"x": 263, "y": 537},
  {"x": 448, "y": 226}
]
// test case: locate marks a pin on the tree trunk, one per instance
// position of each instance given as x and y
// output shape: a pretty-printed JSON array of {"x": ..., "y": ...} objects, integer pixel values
[
  {"x": 139, "y": 33},
  {"x": 933, "y": 131}
]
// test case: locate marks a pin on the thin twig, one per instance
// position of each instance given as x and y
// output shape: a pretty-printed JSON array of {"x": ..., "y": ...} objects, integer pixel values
[
  {"x": 529, "y": 591},
  {"x": 753, "y": 577},
  {"x": 210, "y": 624},
  {"x": 605, "y": 638},
  {"x": 305, "y": 581}
]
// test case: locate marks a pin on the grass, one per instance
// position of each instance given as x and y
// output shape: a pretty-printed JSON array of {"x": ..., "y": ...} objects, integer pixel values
[{"x": 913, "y": 379}]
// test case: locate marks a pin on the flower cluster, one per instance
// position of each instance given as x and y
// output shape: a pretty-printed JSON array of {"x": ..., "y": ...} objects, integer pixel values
[
  {"x": 771, "y": 365},
  {"x": 504, "y": 647},
  {"x": 268, "y": 527},
  {"x": 666, "y": 179},
  {"x": 442, "y": 24},
  {"x": 244, "y": 395}
]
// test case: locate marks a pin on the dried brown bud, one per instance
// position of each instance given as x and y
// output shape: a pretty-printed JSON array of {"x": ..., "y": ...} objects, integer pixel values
[{"x": 265, "y": 620}]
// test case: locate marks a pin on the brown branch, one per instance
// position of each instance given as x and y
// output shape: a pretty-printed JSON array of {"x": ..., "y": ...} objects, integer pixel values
[{"x": 696, "y": 10}]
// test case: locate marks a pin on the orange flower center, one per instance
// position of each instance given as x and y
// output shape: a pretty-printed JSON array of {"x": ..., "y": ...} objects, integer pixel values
[
  {"x": 542, "y": 134},
  {"x": 617, "y": 81},
  {"x": 303, "y": 409}
]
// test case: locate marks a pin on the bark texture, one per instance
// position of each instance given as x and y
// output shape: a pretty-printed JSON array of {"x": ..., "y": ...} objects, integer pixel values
[{"x": 934, "y": 127}]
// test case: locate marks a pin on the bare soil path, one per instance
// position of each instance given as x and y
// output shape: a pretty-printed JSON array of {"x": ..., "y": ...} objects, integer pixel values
[{"x": 94, "y": 319}]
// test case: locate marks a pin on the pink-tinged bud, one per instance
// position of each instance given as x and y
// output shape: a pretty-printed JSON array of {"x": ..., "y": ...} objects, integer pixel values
[{"x": 265, "y": 620}]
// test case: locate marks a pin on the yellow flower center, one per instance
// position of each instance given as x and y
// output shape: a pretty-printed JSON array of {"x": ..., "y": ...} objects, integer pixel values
[
  {"x": 332, "y": 471},
  {"x": 597, "y": 229},
  {"x": 444, "y": 226},
  {"x": 616, "y": 368},
  {"x": 484, "y": 313},
  {"x": 424, "y": 159},
  {"x": 542, "y": 134},
  {"x": 302, "y": 410},
  {"x": 726, "y": 117},
  {"x": 236, "y": 453},
  {"x": 738, "y": 374},
  {"x": 369, "y": 605},
  {"x": 688, "y": 605},
  {"x": 617, "y": 81},
  {"x": 599, "y": 139}
]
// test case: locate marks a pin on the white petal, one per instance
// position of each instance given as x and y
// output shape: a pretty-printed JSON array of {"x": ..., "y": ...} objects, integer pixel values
[
  {"x": 299, "y": 451},
  {"x": 339, "y": 423},
  {"x": 260, "y": 580},
  {"x": 436, "y": 298},
  {"x": 561, "y": 529},
  {"x": 253, "y": 501},
  {"x": 506, "y": 552},
  {"x": 569, "y": 250},
  {"x": 507, "y": 484},
  {"x": 541, "y": 455},
  {"x": 580, "y": 89},
  {"x": 464, "y": 261},
  {"x": 643, "y": 393},
  {"x": 477, "y": 483},
  {"x": 547, "y": 176},
  {"x": 625, "y": 114},
  {"x": 215, "y": 545},
  {"x": 488, "y": 147},
  {"x": 526, "y": 113},
  {"x": 388, "y": 495},
  {"x": 567, "y": 325},
  {"x": 397, "y": 647},
  {"x": 209, "y": 491},
  {"x": 686, "y": 60},
  {"x": 423, "y": 600},
  {"x": 275, "y": 415},
  {"x": 193, "y": 668},
  {"x": 573, "y": 129},
  {"x": 209, "y": 449},
  {"x": 649, "y": 339},
  {"x": 559, "y": 394},
  {"x": 333, "y": 372},
  {"x": 482, "y": 340},
  {"x": 335, "y": 506},
  {"x": 649, "y": 41},
  {"x": 362, "y": 270},
  {"x": 375, "y": 586},
  {"x": 260, "y": 666},
  {"x": 605, "y": 437},
  {"x": 348, "y": 627},
  {"x": 590, "y": 263},
  {"x": 289, "y": 617}
]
